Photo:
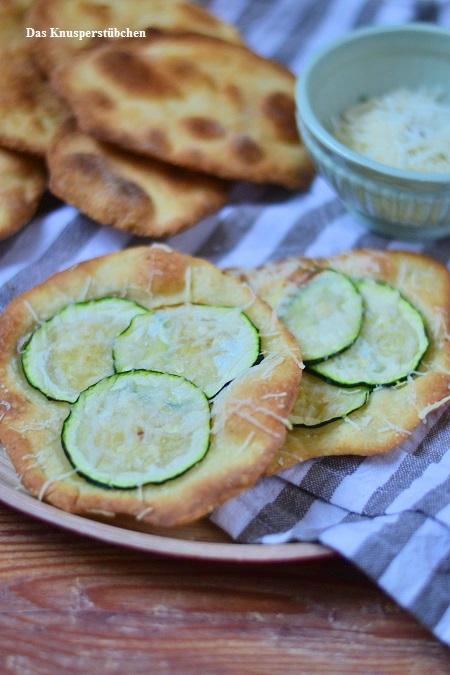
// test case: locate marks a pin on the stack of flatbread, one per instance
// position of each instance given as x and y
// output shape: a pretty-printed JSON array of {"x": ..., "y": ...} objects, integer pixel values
[
  {"x": 27, "y": 113},
  {"x": 143, "y": 133}
]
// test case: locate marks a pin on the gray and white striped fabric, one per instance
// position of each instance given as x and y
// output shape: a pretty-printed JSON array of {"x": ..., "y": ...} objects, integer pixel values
[{"x": 390, "y": 515}]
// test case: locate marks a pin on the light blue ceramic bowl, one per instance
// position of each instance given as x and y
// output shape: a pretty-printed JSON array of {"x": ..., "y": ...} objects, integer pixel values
[{"x": 370, "y": 62}]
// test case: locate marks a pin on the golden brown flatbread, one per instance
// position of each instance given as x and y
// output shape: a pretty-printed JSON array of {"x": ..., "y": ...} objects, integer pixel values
[
  {"x": 22, "y": 183},
  {"x": 392, "y": 413},
  {"x": 12, "y": 13},
  {"x": 175, "y": 16},
  {"x": 249, "y": 415},
  {"x": 29, "y": 110},
  {"x": 191, "y": 100},
  {"x": 136, "y": 194}
]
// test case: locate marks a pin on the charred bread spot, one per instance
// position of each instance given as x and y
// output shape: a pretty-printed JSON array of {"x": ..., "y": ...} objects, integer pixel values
[
  {"x": 235, "y": 95},
  {"x": 93, "y": 167},
  {"x": 280, "y": 110},
  {"x": 182, "y": 67},
  {"x": 203, "y": 127},
  {"x": 134, "y": 75},
  {"x": 247, "y": 150}
]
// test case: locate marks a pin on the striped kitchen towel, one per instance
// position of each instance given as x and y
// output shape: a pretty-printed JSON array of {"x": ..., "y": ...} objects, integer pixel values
[{"x": 390, "y": 515}]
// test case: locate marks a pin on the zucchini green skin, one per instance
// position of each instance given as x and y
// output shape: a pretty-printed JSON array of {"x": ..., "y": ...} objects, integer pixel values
[
  {"x": 149, "y": 359},
  {"x": 111, "y": 485},
  {"x": 25, "y": 360},
  {"x": 350, "y": 292},
  {"x": 313, "y": 362},
  {"x": 333, "y": 419},
  {"x": 259, "y": 358},
  {"x": 324, "y": 371},
  {"x": 311, "y": 381}
]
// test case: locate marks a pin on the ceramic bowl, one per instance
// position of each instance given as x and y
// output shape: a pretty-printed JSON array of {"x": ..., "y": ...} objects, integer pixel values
[{"x": 367, "y": 63}]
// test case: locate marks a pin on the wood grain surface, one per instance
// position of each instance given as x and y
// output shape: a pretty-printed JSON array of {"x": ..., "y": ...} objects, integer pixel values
[{"x": 72, "y": 605}]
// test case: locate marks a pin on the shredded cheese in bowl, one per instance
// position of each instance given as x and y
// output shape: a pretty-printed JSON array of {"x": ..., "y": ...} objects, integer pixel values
[{"x": 403, "y": 128}]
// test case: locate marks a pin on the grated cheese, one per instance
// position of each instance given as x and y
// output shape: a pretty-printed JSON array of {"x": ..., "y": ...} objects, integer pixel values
[
  {"x": 30, "y": 308},
  {"x": 141, "y": 515},
  {"x": 252, "y": 299},
  {"x": 7, "y": 407},
  {"x": 269, "y": 364},
  {"x": 256, "y": 423},
  {"x": 259, "y": 408},
  {"x": 50, "y": 481},
  {"x": 163, "y": 247},
  {"x": 433, "y": 406},
  {"x": 391, "y": 426},
  {"x": 281, "y": 394},
  {"x": 404, "y": 129},
  {"x": 34, "y": 465},
  {"x": 352, "y": 423},
  {"x": 102, "y": 512},
  {"x": 247, "y": 442},
  {"x": 22, "y": 342},
  {"x": 87, "y": 287}
]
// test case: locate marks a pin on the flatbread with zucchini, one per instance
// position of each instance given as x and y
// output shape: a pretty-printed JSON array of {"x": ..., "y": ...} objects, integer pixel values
[
  {"x": 145, "y": 382},
  {"x": 367, "y": 397},
  {"x": 193, "y": 101},
  {"x": 175, "y": 16},
  {"x": 136, "y": 194}
]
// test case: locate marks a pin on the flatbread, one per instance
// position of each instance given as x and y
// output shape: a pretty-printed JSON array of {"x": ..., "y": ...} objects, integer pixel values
[
  {"x": 29, "y": 110},
  {"x": 12, "y": 13},
  {"x": 171, "y": 15},
  {"x": 136, "y": 194},
  {"x": 249, "y": 415},
  {"x": 392, "y": 413},
  {"x": 22, "y": 182},
  {"x": 191, "y": 100}
]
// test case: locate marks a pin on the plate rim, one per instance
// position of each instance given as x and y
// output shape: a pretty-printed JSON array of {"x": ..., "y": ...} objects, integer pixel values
[{"x": 229, "y": 552}]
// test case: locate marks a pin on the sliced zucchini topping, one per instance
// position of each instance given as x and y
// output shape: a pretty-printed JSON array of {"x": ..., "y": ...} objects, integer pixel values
[
  {"x": 390, "y": 346},
  {"x": 325, "y": 315},
  {"x": 73, "y": 349},
  {"x": 209, "y": 346},
  {"x": 136, "y": 428},
  {"x": 319, "y": 402}
]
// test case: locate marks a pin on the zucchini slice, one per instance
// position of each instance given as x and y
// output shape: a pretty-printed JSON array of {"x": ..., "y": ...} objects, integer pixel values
[
  {"x": 319, "y": 402},
  {"x": 390, "y": 346},
  {"x": 136, "y": 428},
  {"x": 325, "y": 315},
  {"x": 209, "y": 346},
  {"x": 73, "y": 349}
]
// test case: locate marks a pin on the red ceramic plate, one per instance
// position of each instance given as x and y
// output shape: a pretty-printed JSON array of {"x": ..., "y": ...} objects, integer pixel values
[{"x": 201, "y": 540}]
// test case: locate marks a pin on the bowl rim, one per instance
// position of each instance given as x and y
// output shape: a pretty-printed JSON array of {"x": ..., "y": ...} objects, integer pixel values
[{"x": 314, "y": 126}]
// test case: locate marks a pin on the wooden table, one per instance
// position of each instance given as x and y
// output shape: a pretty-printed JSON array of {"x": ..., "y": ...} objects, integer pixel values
[{"x": 71, "y": 605}]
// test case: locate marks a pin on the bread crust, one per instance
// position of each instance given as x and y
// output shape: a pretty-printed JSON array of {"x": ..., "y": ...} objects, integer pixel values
[
  {"x": 22, "y": 183},
  {"x": 139, "y": 195},
  {"x": 174, "y": 16},
  {"x": 392, "y": 413},
  {"x": 29, "y": 110},
  {"x": 248, "y": 415},
  {"x": 193, "y": 101}
]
